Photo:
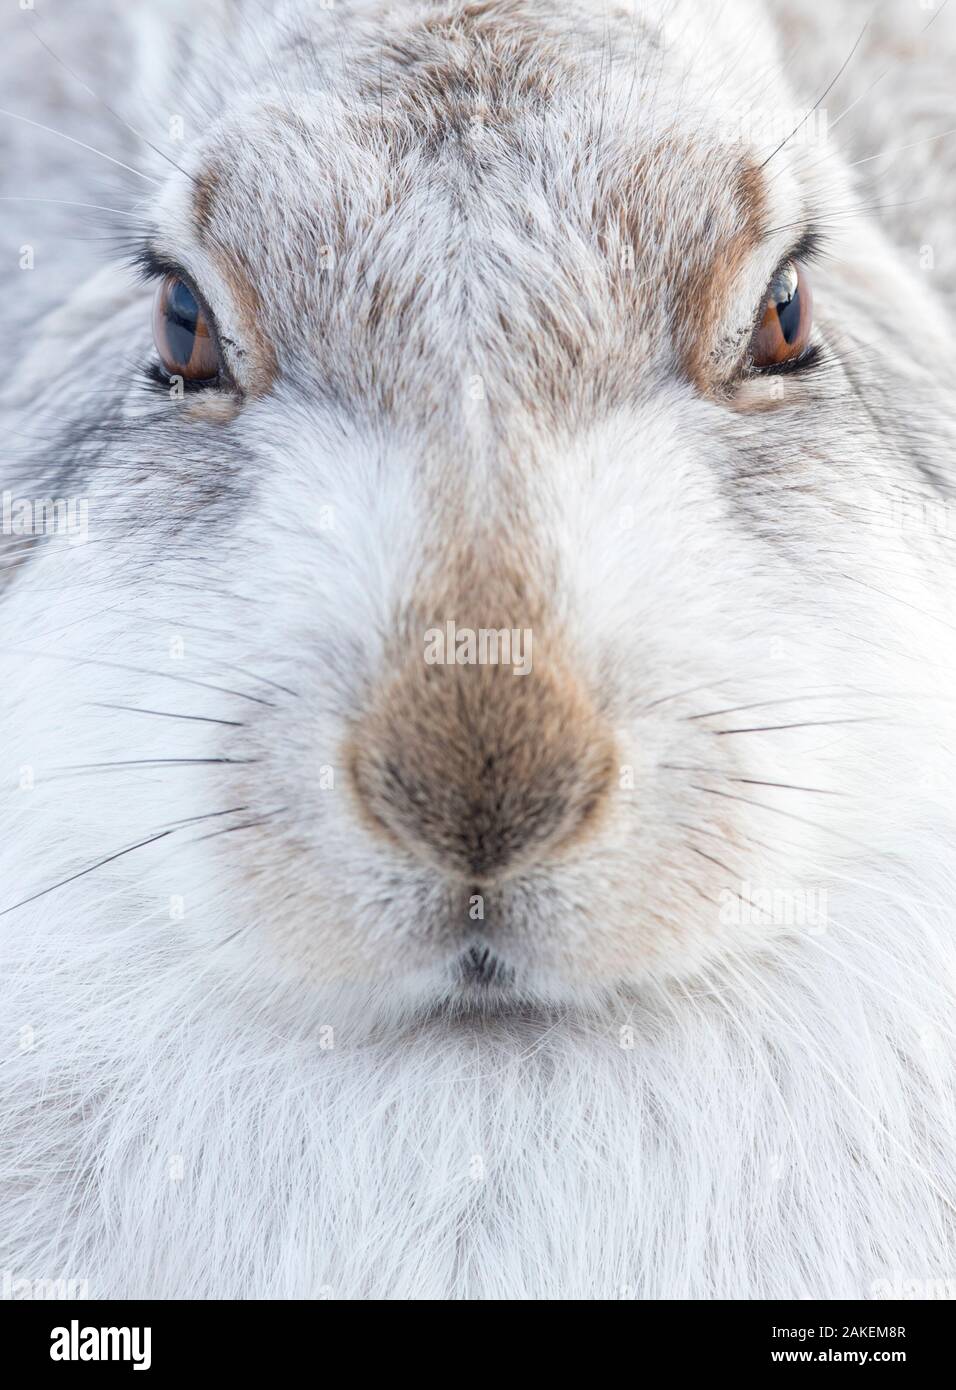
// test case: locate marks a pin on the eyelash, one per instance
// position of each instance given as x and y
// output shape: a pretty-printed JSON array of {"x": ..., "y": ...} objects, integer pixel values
[
  {"x": 155, "y": 379},
  {"x": 811, "y": 357}
]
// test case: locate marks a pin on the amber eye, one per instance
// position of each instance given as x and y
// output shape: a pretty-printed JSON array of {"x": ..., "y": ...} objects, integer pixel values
[
  {"x": 181, "y": 329},
  {"x": 783, "y": 333}
]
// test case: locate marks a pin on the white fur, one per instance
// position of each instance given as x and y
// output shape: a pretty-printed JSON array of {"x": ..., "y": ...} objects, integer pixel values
[{"x": 236, "y": 1065}]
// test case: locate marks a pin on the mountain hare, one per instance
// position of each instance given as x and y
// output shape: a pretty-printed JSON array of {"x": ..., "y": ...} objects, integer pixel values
[{"x": 478, "y": 672}]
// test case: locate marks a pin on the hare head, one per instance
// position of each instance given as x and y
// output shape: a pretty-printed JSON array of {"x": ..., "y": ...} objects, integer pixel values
[{"x": 497, "y": 584}]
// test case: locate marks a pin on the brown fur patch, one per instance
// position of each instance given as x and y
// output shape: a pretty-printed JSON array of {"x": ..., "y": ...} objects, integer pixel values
[
  {"x": 260, "y": 361},
  {"x": 205, "y": 190},
  {"x": 479, "y": 770},
  {"x": 259, "y": 358},
  {"x": 703, "y": 304},
  {"x": 475, "y": 768}
]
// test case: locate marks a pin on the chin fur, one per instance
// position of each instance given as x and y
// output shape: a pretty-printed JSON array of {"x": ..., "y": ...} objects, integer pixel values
[{"x": 732, "y": 1136}]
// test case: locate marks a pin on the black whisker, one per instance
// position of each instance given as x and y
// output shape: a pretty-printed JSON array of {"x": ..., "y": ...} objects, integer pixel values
[
  {"x": 719, "y": 862},
  {"x": 786, "y": 786},
  {"x": 231, "y": 829},
  {"x": 823, "y": 95},
  {"x": 167, "y": 714},
  {"x": 777, "y": 810},
  {"x": 110, "y": 858},
  {"x": 760, "y": 704},
  {"x": 151, "y": 762},
  {"x": 666, "y": 699},
  {"x": 807, "y": 724},
  {"x": 142, "y": 671},
  {"x": 263, "y": 680},
  {"x": 209, "y": 815}
]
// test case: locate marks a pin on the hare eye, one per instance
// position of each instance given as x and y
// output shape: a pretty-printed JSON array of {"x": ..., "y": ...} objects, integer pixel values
[
  {"x": 786, "y": 318},
  {"x": 184, "y": 338}
]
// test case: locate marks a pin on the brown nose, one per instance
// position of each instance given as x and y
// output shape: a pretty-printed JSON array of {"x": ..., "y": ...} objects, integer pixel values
[{"x": 479, "y": 770}]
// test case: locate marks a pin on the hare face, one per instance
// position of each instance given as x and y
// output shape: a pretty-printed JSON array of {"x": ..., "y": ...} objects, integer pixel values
[{"x": 478, "y": 616}]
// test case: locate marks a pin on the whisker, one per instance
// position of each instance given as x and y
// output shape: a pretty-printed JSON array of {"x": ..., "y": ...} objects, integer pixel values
[
  {"x": 264, "y": 680},
  {"x": 15, "y": 116},
  {"x": 823, "y": 95},
  {"x": 895, "y": 598},
  {"x": 787, "y": 786},
  {"x": 778, "y": 810},
  {"x": 720, "y": 864},
  {"x": 763, "y": 704},
  {"x": 901, "y": 149},
  {"x": 72, "y": 203},
  {"x": 209, "y": 815},
  {"x": 867, "y": 91},
  {"x": 717, "y": 835},
  {"x": 693, "y": 690},
  {"x": 144, "y": 671},
  {"x": 856, "y": 211},
  {"x": 807, "y": 724},
  {"x": 105, "y": 104},
  {"x": 110, "y": 858},
  {"x": 167, "y": 714},
  {"x": 149, "y": 762},
  {"x": 231, "y": 829}
]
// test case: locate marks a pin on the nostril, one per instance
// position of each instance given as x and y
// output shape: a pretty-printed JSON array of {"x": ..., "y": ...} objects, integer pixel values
[{"x": 478, "y": 773}]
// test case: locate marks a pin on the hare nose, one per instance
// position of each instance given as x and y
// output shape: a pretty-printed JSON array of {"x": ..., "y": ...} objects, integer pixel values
[{"x": 479, "y": 771}]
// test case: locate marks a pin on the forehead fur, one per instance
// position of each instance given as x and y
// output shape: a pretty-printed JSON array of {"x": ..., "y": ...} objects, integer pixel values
[{"x": 499, "y": 187}]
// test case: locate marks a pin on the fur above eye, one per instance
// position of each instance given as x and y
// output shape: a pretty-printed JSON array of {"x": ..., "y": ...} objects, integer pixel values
[
  {"x": 183, "y": 334},
  {"x": 786, "y": 318}
]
